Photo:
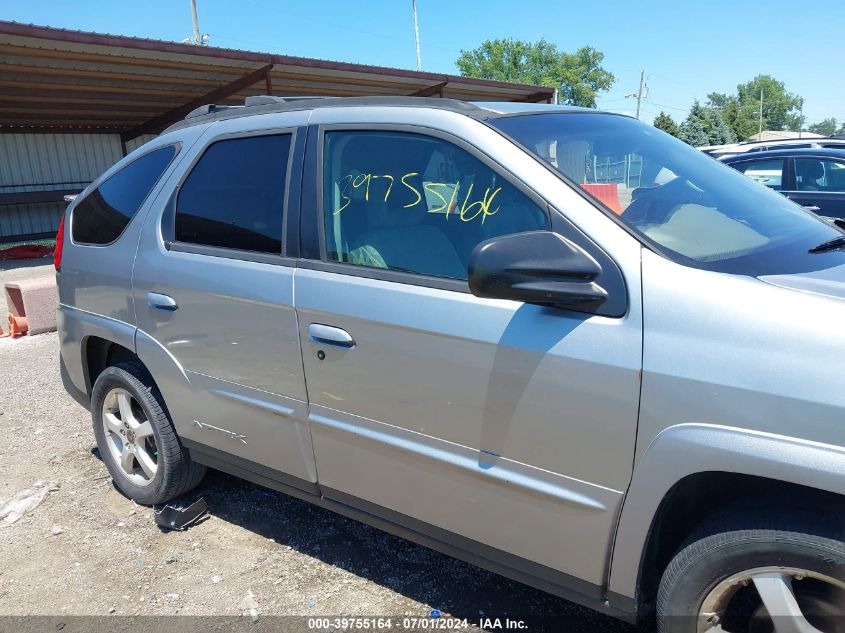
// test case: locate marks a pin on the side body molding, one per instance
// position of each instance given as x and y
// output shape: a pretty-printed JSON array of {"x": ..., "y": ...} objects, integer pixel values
[{"x": 688, "y": 449}]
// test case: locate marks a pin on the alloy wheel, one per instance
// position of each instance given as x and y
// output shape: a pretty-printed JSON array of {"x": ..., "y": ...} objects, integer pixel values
[
  {"x": 775, "y": 600},
  {"x": 129, "y": 437}
]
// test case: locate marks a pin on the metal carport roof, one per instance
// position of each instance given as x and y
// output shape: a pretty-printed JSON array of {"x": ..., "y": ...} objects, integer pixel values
[{"x": 57, "y": 80}]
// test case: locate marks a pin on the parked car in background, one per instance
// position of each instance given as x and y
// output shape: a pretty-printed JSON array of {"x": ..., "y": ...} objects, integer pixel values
[
  {"x": 732, "y": 149},
  {"x": 813, "y": 178},
  {"x": 554, "y": 342}
]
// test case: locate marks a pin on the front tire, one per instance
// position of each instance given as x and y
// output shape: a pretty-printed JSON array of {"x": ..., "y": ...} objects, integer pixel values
[
  {"x": 772, "y": 578},
  {"x": 136, "y": 438}
]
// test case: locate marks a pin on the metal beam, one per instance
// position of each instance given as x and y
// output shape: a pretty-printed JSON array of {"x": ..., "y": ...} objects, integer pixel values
[
  {"x": 430, "y": 91},
  {"x": 10, "y": 127},
  {"x": 27, "y": 197},
  {"x": 537, "y": 97},
  {"x": 163, "y": 120}
]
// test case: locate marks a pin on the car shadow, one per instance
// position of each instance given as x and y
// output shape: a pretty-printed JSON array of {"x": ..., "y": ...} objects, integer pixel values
[{"x": 416, "y": 572}]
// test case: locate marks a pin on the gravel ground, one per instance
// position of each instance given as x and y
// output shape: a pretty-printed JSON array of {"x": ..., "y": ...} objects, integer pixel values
[{"x": 87, "y": 550}]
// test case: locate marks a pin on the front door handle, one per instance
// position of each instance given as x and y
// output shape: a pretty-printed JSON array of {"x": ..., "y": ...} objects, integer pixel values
[
  {"x": 328, "y": 335},
  {"x": 159, "y": 301}
]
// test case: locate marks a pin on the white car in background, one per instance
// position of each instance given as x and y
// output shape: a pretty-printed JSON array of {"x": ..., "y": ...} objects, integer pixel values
[{"x": 732, "y": 149}]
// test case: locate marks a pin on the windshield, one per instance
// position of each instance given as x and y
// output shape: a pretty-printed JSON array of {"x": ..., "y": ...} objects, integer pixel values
[{"x": 686, "y": 204}]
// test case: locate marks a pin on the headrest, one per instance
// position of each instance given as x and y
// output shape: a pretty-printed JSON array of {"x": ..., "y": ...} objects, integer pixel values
[
  {"x": 811, "y": 169},
  {"x": 381, "y": 215}
]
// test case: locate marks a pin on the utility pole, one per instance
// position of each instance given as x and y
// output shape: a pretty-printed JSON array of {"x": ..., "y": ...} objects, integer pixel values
[
  {"x": 801, "y": 118},
  {"x": 197, "y": 38},
  {"x": 760, "y": 131},
  {"x": 416, "y": 33},
  {"x": 639, "y": 93}
]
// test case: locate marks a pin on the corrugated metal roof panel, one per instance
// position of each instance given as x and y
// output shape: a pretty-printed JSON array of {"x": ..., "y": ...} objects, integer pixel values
[
  {"x": 57, "y": 63},
  {"x": 29, "y": 219},
  {"x": 135, "y": 143},
  {"x": 37, "y": 162}
]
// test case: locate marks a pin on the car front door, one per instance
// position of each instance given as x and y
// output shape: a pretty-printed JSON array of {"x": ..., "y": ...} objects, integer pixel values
[
  {"x": 504, "y": 429},
  {"x": 819, "y": 185},
  {"x": 213, "y": 294}
]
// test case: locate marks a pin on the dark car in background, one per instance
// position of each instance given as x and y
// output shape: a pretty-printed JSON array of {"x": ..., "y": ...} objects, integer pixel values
[{"x": 813, "y": 177}]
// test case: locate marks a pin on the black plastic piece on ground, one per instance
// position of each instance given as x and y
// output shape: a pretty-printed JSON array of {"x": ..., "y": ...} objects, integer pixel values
[{"x": 178, "y": 517}]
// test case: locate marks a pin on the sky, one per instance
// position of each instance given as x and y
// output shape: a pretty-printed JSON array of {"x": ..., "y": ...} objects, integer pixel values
[{"x": 688, "y": 48}]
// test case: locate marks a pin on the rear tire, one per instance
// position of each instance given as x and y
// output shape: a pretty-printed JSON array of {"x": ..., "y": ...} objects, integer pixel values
[
  {"x": 734, "y": 575},
  {"x": 136, "y": 438}
]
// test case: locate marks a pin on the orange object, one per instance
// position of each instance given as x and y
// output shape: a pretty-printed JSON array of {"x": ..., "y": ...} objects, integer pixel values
[
  {"x": 607, "y": 194},
  {"x": 17, "y": 325}
]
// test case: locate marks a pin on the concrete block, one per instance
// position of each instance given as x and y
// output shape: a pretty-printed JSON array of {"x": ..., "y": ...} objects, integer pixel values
[{"x": 35, "y": 299}]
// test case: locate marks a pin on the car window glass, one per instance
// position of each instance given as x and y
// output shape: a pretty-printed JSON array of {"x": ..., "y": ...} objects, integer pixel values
[
  {"x": 692, "y": 208},
  {"x": 234, "y": 197},
  {"x": 103, "y": 214},
  {"x": 766, "y": 172},
  {"x": 414, "y": 203},
  {"x": 819, "y": 174}
]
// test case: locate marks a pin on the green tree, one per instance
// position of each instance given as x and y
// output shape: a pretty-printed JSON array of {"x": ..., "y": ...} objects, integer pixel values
[
  {"x": 718, "y": 130},
  {"x": 578, "y": 76},
  {"x": 666, "y": 123},
  {"x": 825, "y": 128},
  {"x": 705, "y": 126},
  {"x": 728, "y": 107},
  {"x": 694, "y": 133},
  {"x": 781, "y": 109},
  {"x": 720, "y": 100}
]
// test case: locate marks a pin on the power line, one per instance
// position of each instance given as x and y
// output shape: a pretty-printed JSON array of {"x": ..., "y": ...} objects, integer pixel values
[{"x": 668, "y": 107}]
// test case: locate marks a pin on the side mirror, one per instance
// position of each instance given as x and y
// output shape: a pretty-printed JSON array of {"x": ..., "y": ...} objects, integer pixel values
[{"x": 536, "y": 267}]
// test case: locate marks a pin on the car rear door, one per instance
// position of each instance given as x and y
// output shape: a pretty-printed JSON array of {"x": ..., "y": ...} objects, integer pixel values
[
  {"x": 213, "y": 293},
  {"x": 504, "y": 429},
  {"x": 819, "y": 185}
]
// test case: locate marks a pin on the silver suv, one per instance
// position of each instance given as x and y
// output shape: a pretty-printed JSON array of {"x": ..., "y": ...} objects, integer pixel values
[{"x": 554, "y": 342}]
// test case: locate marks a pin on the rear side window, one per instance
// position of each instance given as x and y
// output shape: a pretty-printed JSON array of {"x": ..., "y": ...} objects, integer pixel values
[
  {"x": 235, "y": 195},
  {"x": 101, "y": 217}
]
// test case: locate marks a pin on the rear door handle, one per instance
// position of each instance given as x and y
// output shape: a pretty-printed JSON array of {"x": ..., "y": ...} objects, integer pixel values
[
  {"x": 328, "y": 335},
  {"x": 161, "y": 302},
  {"x": 813, "y": 208}
]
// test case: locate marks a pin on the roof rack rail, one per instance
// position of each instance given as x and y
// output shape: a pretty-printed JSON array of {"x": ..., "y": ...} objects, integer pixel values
[
  {"x": 264, "y": 104},
  {"x": 257, "y": 100},
  {"x": 208, "y": 108}
]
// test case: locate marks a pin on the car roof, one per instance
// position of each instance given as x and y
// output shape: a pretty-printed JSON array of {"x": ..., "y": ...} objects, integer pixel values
[
  {"x": 818, "y": 152},
  {"x": 256, "y": 106}
]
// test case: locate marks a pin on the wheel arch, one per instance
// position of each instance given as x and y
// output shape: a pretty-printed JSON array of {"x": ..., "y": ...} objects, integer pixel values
[
  {"x": 679, "y": 472},
  {"x": 99, "y": 353}
]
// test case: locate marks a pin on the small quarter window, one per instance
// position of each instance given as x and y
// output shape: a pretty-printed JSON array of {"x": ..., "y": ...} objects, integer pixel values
[
  {"x": 104, "y": 213},
  {"x": 414, "y": 203},
  {"x": 235, "y": 195}
]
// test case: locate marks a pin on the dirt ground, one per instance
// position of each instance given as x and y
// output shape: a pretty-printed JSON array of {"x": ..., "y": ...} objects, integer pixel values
[{"x": 87, "y": 550}]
